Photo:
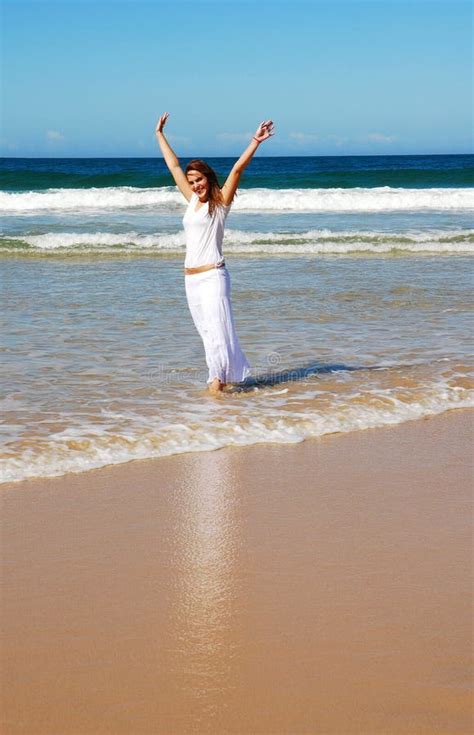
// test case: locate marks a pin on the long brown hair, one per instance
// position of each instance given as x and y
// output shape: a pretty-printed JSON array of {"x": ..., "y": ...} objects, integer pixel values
[{"x": 215, "y": 194}]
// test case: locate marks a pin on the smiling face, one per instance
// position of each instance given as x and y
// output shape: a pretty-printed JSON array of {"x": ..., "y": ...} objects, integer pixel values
[{"x": 199, "y": 184}]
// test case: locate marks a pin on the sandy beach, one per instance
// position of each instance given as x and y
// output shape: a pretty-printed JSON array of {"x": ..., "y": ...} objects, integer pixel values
[{"x": 323, "y": 587}]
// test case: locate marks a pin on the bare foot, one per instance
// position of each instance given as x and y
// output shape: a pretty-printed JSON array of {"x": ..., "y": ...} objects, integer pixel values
[{"x": 216, "y": 387}]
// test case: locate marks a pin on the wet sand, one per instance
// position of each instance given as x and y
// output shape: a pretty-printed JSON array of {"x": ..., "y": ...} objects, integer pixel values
[{"x": 324, "y": 587}]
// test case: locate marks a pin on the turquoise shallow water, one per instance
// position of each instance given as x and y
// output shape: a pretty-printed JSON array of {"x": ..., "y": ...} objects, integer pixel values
[
  {"x": 353, "y": 304},
  {"x": 103, "y": 363}
]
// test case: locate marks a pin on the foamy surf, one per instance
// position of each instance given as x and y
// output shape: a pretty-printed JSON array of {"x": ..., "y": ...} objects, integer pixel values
[
  {"x": 79, "y": 449},
  {"x": 312, "y": 242},
  {"x": 377, "y": 199}
]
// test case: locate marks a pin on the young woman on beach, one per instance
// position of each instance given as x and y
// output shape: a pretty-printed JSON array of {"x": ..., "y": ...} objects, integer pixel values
[{"x": 207, "y": 280}]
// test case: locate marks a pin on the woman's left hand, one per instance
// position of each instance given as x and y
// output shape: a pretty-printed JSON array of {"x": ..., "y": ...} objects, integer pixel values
[{"x": 264, "y": 131}]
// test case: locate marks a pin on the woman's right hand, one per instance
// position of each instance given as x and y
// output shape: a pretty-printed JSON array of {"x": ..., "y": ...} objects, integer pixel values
[{"x": 162, "y": 122}]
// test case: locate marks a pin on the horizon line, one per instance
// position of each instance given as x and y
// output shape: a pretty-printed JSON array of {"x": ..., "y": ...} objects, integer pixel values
[{"x": 307, "y": 155}]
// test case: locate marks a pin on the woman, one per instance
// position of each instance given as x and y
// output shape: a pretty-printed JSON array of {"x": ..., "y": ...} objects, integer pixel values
[{"x": 207, "y": 280}]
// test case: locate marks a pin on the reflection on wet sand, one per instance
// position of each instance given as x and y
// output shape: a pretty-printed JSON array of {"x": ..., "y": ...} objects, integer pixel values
[{"x": 205, "y": 559}]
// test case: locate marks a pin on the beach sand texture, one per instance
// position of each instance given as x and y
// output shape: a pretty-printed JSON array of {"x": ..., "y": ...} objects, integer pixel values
[{"x": 324, "y": 587}]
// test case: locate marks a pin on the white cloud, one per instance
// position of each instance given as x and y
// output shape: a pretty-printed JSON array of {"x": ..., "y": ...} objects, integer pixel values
[
  {"x": 234, "y": 137},
  {"x": 380, "y": 138},
  {"x": 9, "y": 146},
  {"x": 338, "y": 140},
  {"x": 343, "y": 142},
  {"x": 54, "y": 135},
  {"x": 304, "y": 138},
  {"x": 178, "y": 139}
]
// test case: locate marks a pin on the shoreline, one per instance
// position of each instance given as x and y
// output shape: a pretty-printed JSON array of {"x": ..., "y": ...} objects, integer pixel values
[
  {"x": 313, "y": 587},
  {"x": 4, "y": 484}
]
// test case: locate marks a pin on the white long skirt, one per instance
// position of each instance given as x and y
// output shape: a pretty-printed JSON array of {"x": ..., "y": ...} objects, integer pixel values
[{"x": 208, "y": 296}]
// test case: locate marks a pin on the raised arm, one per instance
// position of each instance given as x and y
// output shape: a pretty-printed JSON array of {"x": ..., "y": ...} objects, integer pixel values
[
  {"x": 263, "y": 132},
  {"x": 171, "y": 160}
]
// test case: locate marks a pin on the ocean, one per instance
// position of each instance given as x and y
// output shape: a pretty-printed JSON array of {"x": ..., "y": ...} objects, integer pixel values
[{"x": 351, "y": 287}]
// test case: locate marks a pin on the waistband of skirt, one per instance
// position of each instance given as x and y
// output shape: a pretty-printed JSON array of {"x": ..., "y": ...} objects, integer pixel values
[{"x": 203, "y": 268}]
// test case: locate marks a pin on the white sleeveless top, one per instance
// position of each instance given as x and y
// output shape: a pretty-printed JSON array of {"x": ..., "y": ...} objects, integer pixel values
[{"x": 204, "y": 234}]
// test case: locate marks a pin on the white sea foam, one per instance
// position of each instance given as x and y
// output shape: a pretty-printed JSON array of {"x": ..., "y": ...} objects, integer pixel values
[
  {"x": 104, "y": 240},
  {"x": 377, "y": 199},
  {"x": 85, "y": 448},
  {"x": 241, "y": 242},
  {"x": 117, "y": 197}
]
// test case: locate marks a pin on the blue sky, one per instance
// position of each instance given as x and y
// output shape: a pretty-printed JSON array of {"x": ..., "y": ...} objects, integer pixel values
[{"x": 90, "y": 77}]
